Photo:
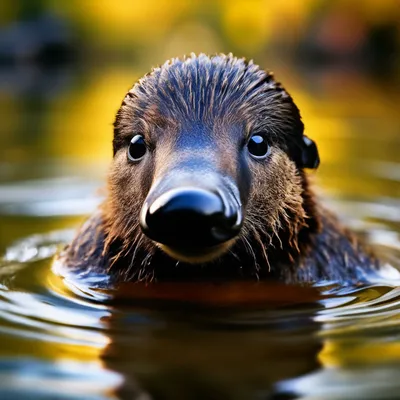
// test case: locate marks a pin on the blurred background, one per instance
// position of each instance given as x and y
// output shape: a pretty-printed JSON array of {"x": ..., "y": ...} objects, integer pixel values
[{"x": 65, "y": 67}]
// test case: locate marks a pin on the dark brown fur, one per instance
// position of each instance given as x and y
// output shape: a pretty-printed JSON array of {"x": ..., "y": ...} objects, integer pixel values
[{"x": 285, "y": 234}]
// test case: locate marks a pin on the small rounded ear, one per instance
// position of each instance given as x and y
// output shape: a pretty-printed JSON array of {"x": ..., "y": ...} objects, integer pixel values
[{"x": 309, "y": 155}]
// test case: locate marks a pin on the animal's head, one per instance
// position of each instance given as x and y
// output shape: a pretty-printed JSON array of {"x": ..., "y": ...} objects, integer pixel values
[{"x": 208, "y": 157}]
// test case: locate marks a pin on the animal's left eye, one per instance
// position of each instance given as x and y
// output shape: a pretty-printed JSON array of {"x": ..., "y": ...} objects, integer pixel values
[{"x": 258, "y": 146}]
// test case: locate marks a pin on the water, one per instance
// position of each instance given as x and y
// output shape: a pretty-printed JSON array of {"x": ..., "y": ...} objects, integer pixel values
[{"x": 69, "y": 339}]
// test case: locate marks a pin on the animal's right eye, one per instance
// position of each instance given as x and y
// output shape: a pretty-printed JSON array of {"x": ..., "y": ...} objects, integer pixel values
[{"x": 137, "y": 148}]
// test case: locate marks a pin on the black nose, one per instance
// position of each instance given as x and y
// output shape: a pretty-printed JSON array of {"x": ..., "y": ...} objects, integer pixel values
[{"x": 191, "y": 217}]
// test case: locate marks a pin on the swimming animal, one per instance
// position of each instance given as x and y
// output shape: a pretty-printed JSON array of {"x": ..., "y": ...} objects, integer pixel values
[{"x": 208, "y": 182}]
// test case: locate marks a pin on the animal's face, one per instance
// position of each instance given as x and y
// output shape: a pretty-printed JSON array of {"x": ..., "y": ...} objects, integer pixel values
[{"x": 207, "y": 154}]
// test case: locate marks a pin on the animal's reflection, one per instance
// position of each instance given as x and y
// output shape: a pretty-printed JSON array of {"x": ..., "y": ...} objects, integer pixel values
[{"x": 211, "y": 341}]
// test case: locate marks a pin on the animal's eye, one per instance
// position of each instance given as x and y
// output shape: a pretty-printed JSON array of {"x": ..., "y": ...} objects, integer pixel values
[
  {"x": 137, "y": 148},
  {"x": 258, "y": 146}
]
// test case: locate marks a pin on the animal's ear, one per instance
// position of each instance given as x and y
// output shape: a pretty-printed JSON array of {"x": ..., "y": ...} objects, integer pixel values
[{"x": 309, "y": 155}]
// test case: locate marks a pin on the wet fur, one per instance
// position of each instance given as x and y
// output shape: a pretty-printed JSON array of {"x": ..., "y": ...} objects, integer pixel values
[{"x": 285, "y": 235}]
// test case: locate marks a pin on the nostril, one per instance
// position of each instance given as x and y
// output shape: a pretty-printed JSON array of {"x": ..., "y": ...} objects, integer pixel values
[{"x": 190, "y": 217}]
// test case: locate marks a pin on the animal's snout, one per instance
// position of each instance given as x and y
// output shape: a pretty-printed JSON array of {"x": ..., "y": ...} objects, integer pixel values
[{"x": 191, "y": 218}]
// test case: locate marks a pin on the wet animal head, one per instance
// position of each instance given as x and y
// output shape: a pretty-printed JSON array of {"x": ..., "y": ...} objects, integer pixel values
[{"x": 208, "y": 160}]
